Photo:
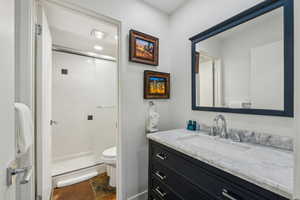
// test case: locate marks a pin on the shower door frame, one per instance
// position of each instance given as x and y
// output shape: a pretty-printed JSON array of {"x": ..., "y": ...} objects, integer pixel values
[{"x": 98, "y": 16}]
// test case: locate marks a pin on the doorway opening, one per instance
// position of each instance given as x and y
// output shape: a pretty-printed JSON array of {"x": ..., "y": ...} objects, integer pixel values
[{"x": 77, "y": 103}]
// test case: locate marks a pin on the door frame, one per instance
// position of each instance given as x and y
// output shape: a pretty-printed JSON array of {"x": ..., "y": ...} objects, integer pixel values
[
  {"x": 121, "y": 194},
  {"x": 25, "y": 76}
]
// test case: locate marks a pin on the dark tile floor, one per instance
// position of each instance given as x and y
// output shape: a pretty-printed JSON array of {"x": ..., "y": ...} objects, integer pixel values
[{"x": 96, "y": 188}]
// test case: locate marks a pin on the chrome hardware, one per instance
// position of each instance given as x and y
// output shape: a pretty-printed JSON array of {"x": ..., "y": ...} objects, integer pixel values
[
  {"x": 160, "y": 192},
  {"x": 236, "y": 137},
  {"x": 227, "y": 195},
  {"x": 160, "y": 175},
  {"x": 53, "y": 122},
  {"x": 27, "y": 171},
  {"x": 161, "y": 156},
  {"x": 27, "y": 176}
]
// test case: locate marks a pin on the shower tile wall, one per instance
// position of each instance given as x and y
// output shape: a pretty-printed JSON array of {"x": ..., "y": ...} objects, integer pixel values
[{"x": 86, "y": 88}]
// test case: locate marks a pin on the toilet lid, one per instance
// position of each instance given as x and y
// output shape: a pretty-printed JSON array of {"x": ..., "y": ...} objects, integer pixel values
[{"x": 110, "y": 153}]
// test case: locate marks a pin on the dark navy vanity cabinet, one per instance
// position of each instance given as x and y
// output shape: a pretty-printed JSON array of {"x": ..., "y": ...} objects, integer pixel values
[{"x": 176, "y": 176}]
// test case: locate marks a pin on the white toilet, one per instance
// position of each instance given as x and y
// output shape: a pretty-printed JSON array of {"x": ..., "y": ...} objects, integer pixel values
[{"x": 109, "y": 157}]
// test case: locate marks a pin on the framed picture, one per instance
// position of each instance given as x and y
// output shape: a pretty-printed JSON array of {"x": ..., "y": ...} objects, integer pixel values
[
  {"x": 143, "y": 48},
  {"x": 156, "y": 85}
]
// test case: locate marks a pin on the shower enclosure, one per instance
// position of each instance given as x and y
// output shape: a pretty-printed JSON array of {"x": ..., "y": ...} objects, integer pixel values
[{"x": 84, "y": 110}]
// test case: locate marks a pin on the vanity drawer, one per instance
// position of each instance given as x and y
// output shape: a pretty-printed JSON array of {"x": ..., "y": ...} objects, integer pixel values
[
  {"x": 211, "y": 180},
  {"x": 178, "y": 183},
  {"x": 161, "y": 191}
]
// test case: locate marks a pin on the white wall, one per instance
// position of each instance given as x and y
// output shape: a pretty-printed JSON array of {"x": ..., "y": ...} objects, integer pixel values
[
  {"x": 134, "y": 14},
  {"x": 89, "y": 83},
  {"x": 297, "y": 98}
]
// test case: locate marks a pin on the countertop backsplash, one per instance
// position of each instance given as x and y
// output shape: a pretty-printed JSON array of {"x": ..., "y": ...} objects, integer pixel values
[{"x": 259, "y": 138}]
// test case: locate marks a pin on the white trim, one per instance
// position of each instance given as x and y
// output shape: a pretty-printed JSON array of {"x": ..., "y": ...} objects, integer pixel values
[
  {"x": 120, "y": 175},
  {"x": 140, "y": 196},
  {"x": 24, "y": 77},
  {"x": 76, "y": 179}
]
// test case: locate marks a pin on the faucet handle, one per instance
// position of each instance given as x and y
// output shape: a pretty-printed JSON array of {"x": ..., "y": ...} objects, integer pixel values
[
  {"x": 223, "y": 134},
  {"x": 213, "y": 131}
]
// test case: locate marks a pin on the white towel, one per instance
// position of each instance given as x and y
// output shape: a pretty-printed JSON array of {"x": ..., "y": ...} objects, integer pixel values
[{"x": 24, "y": 128}]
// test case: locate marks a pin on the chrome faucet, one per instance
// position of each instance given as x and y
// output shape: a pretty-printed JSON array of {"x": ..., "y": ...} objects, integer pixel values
[{"x": 217, "y": 130}]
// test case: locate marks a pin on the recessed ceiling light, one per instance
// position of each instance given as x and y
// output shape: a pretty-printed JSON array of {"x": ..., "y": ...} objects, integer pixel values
[
  {"x": 116, "y": 37},
  {"x": 97, "y": 34},
  {"x": 98, "y": 48}
]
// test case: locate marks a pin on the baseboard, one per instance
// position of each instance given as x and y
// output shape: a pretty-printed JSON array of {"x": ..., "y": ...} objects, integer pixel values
[{"x": 140, "y": 196}]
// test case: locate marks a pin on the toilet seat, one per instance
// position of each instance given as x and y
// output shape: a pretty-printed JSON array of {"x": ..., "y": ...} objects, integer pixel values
[{"x": 109, "y": 155}]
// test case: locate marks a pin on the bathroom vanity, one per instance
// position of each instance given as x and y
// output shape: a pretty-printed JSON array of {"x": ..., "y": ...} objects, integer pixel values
[{"x": 187, "y": 165}]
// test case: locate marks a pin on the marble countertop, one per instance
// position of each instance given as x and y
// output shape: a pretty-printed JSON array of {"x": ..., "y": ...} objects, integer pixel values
[{"x": 267, "y": 167}]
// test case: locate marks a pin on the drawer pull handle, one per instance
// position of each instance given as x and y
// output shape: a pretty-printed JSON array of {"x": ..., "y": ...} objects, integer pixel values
[
  {"x": 227, "y": 195},
  {"x": 160, "y": 175},
  {"x": 160, "y": 192},
  {"x": 161, "y": 156}
]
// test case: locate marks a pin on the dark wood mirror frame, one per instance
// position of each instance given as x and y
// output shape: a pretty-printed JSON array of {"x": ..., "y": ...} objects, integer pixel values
[{"x": 247, "y": 15}]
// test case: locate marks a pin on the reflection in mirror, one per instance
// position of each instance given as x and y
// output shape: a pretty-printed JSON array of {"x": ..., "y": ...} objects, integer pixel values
[{"x": 243, "y": 67}]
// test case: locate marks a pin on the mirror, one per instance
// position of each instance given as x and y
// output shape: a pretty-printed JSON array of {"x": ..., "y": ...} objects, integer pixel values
[{"x": 242, "y": 65}]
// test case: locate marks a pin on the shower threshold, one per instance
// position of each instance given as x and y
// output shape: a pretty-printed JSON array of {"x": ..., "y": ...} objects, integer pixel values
[
  {"x": 78, "y": 175},
  {"x": 64, "y": 166}
]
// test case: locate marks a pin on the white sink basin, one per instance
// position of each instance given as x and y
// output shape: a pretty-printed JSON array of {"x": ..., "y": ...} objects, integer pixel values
[{"x": 214, "y": 144}]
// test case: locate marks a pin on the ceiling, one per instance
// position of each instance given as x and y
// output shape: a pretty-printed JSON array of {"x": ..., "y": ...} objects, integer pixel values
[
  {"x": 167, "y": 6},
  {"x": 73, "y": 30}
]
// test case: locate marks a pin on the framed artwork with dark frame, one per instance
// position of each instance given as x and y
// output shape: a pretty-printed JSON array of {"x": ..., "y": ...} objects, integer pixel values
[
  {"x": 156, "y": 85},
  {"x": 143, "y": 48}
]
